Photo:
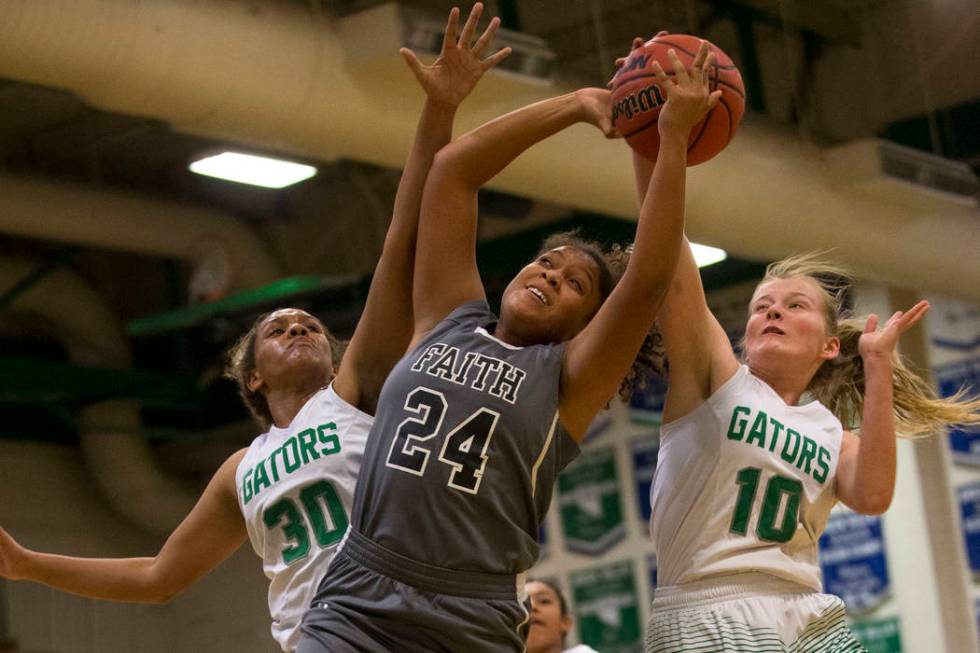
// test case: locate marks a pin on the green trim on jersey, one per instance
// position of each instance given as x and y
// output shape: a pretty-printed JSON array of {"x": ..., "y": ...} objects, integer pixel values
[{"x": 699, "y": 630}]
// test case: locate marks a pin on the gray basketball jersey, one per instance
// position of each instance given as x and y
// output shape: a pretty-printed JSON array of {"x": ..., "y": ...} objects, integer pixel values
[{"x": 465, "y": 449}]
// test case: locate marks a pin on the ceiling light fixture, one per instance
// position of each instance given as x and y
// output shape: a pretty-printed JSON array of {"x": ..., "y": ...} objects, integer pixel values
[
  {"x": 704, "y": 255},
  {"x": 252, "y": 169}
]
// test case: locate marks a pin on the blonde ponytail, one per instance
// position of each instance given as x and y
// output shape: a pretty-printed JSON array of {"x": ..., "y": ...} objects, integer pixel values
[{"x": 839, "y": 383}]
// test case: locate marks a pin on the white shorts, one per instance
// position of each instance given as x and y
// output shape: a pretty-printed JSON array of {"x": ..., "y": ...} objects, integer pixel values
[{"x": 747, "y": 612}]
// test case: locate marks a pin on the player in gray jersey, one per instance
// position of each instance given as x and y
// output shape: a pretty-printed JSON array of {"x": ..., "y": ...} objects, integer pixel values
[
  {"x": 475, "y": 423},
  {"x": 294, "y": 485}
]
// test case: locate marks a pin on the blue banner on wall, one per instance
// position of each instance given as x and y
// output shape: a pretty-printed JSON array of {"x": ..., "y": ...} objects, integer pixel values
[
  {"x": 652, "y": 572},
  {"x": 852, "y": 556},
  {"x": 969, "y": 496},
  {"x": 647, "y": 403},
  {"x": 965, "y": 442},
  {"x": 543, "y": 544},
  {"x": 644, "y": 451}
]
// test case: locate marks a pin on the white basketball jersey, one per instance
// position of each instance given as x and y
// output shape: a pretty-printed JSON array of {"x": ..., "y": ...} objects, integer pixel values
[
  {"x": 744, "y": 482},
  {"x": 295, "y": 488}
]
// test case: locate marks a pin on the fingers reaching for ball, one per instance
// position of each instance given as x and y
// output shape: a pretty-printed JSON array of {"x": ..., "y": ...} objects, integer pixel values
[
  {"x": 595, "y": 103},
  {"x": 696, "y": 73},
  {"x": 620, "y": 61},
  {"x": 689, "y": 97}
]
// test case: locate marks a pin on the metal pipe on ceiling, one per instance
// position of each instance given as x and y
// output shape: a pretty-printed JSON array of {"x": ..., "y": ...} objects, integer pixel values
[
  {"x": 121, "y": 465},
  {"x": 104, "y": 218}
]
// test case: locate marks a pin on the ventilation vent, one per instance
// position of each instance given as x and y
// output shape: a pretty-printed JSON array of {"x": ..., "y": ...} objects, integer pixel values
[
  {"x": 933, "y": 172},
  {"x": 897, "y": 173}
]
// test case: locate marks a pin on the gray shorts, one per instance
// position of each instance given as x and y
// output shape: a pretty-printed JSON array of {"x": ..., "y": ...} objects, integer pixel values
[{"x": 374, "y": 600}]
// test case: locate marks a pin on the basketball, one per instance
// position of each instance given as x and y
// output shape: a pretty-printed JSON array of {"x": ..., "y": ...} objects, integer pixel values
[{"x": 637, "y": 98}]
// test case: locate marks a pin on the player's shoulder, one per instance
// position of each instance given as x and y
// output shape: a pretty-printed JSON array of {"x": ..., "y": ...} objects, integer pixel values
[
  {"x": 475, "y": 311},
  {"x": 234, "y": 460},
  {"x": 228, "y": 472}
]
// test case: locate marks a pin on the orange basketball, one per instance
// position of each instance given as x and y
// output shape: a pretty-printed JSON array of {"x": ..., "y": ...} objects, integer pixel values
[{"x": 637, "y": 98}]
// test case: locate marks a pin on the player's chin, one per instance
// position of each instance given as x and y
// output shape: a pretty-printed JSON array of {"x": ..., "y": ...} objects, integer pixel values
[
  {"x": 525, "y": 308},
  {"x": 309, "y": 359}
]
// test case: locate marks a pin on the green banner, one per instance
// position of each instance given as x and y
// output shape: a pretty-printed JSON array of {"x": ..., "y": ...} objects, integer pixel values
[
  {"x": 880, "y": 635},
  {"x": 607, "y": 608},
  {"x": 589, "y": 502}
]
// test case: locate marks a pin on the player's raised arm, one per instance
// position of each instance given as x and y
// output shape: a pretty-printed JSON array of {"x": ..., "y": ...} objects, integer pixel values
[
  {"x": 446, "y": 274},
  {"x": 385, "y": 328},
  {"x": 696, "y": 344},
  {"x": 212, "y": 531},
  {"x": 599, "y": 357}
]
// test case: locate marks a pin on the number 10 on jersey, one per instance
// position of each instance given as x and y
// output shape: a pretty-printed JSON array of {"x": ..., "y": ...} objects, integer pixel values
[
  {"x": 777, "y": 488},
  {"x": 464, "y": 448}
]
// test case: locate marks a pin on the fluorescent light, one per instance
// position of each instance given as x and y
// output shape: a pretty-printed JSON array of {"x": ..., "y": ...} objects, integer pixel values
[
  {"x": 251, "y": 169},
  {"x": 704, "y": 255}
]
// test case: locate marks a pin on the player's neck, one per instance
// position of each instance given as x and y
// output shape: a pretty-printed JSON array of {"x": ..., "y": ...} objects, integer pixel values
[
  {"x": 511, "y": 336},
  {"x": 285, "y": 405},
  {"x": 787, "y": 382}
]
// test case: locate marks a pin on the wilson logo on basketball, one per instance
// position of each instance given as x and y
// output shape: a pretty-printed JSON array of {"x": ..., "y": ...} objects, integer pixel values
[
  {"x": 637, "y": 101},
  {"x": 633, "y": 63},
  {"x": 645, "y": 99}
]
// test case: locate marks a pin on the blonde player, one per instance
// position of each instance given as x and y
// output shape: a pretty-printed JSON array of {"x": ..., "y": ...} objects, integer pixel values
[
  {"x": 754, "y": 454},
  {"x": 290, "y": 492}
]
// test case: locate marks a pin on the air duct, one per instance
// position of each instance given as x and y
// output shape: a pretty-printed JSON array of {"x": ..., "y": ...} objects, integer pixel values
[
  {"x": 267, "y": 73},
  {"x": 119, "y": 461},
  {"x": 110, "y": 219}
]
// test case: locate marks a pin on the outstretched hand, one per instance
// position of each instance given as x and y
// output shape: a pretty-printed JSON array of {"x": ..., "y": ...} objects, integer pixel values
[
  {"x": 10, "y": 554},
  {"x": 451, "y": 77},
  {"x": 596, "y": 104},
  {"x": 880, "y": 344},
  {"x": 689, "y": 97}
]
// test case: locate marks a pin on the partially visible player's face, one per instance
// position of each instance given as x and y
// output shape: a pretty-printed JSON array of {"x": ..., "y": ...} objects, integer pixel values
[
  {"x": 554, "y": 297},
  {"x": 548, "y": 625},
  {"x": 291, "y": 349},
  {"x": 788, "y": 325}
]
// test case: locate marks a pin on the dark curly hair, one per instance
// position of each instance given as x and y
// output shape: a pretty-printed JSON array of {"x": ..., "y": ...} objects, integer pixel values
[
  {"x": 241, "y": 362},
  {"x": 650, "y": 360}
]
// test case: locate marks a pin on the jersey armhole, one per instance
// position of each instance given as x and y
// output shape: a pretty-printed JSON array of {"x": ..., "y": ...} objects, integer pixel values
[
  {"x": 707, "y": 404},
  {"x": 354, "y": 410}
]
